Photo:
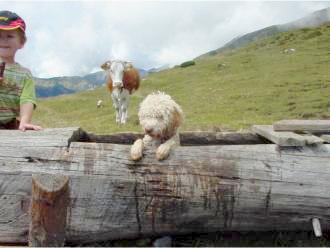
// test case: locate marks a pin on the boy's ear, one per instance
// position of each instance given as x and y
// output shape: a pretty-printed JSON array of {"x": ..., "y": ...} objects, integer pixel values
[
  {"x": 23, "y": 40},
  {"x": 22, "y": 44}
]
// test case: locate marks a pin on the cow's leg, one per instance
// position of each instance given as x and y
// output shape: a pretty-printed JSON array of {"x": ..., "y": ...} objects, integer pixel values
[
  {"x": 124, "y": 106},
  {"x": 116, "y": 105}
]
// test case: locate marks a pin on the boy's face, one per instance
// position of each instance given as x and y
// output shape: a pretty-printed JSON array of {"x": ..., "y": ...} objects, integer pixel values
[{"x": 10, "y": 42}]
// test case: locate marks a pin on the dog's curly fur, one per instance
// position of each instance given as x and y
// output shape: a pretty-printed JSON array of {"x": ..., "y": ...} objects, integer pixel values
[{"x": 160, "y": 117}]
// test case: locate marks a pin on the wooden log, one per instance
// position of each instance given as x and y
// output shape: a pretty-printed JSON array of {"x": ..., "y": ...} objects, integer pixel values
[
  {"x": 54, "y": 137},
  {"x": 286, "y": 138},
  {"x": 197, "y": 189},
  {"x": 325, "y": 137},
  {"x": 50, "y": 197},
  {"x": 302, "y": 125}
]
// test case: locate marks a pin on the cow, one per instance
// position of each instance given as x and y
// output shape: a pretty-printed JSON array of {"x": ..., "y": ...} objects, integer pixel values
[
  {"x": 289, "y": 50},
  {"x": 99, "y": 104},
  {"x": 122, "y": 80}
]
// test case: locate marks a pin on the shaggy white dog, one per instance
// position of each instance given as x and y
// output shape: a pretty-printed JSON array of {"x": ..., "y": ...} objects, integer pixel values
[{"x": 160, "y": 116}]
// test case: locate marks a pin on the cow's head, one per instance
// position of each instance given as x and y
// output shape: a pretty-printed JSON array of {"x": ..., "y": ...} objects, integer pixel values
[{"x": 116, "y": 70}]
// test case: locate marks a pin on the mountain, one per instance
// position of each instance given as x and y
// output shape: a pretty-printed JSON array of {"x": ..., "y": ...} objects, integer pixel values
[
  {"x": 158, "y": 69},
  {"x": 143, "y": 73},
  {"x": 315, "y": 19},
  {"x": 46, "y": 87},
  {"x": 56, "y": 90},
  {"x": 55, "y": 86}
]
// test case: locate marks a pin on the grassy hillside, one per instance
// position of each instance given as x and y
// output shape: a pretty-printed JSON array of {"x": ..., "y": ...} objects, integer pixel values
[{"x": 256, "y": 84}]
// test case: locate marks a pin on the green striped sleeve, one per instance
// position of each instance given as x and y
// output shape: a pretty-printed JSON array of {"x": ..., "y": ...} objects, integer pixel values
[{"x": 28, "y": 91}]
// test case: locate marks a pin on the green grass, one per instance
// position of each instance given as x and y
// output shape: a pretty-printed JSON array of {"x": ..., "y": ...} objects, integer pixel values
[{"x": 256, "y": 84}]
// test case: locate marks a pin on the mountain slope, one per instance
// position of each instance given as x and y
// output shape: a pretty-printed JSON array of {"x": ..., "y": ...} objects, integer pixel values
[
  {"x": 315, "y": 19},
  {"x": 46, "y": 87},
  {"x": 256, "y": 84}
]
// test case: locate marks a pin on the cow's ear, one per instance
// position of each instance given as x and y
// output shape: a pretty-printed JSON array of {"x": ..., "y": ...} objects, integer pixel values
[
  {"x": 106, "y": 65},
  {"x": 128, "y": 65}
]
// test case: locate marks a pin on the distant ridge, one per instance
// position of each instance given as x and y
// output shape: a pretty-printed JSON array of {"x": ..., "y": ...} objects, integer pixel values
[
  {"x": 55, "y": 86},
  {"x": 315, "y": 19}
]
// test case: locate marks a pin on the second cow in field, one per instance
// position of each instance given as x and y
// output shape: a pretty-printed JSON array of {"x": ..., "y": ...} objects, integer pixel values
[{"x": 122, "y": 80}]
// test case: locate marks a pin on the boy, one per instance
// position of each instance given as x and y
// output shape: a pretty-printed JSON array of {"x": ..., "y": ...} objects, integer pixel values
[{"x": 17, "y": 91}]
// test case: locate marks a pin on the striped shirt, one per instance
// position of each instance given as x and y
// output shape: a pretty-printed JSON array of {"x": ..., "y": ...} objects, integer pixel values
[{"x": 16, "y": 88}]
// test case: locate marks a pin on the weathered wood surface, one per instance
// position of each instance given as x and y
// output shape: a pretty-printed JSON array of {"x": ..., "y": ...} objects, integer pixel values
[
  {"x": 55, "y": 137},
  {"x": 197, "y": 189},
  {"x": 325, "y": 137},
  {"x": 49, "y": 203},
  {"x": 186, "y": 138},
  {"x": 302, "y": 125},
  {"x": 286, "y": 138}
]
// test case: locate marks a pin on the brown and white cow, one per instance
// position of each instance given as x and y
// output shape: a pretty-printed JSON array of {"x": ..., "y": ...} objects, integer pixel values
[{"x": 122, "y": 80}]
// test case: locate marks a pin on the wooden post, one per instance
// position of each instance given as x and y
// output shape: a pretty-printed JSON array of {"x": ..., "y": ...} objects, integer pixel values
[{"x": 50, "y": 198}]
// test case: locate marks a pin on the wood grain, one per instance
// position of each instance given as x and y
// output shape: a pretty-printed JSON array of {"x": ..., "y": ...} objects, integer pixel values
[
  {"x": 302, "y": 125},
  {"x": 286, "y": 138},
  {"x": 50, "y": 198},
  {"x": 197, "y": 189}
]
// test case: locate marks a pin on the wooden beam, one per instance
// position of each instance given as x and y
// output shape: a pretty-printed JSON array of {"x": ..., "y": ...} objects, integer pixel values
[
  {"x": 50, "y": 137},
  {"x": 50, "y": 198},
  {"x": 197, "y": 189},
  {"x": 63, "y": 136},
  {"x": 285, "y": 138},
  {"x": 302, "y": 125},
  {"x": 325, "y": 137}
]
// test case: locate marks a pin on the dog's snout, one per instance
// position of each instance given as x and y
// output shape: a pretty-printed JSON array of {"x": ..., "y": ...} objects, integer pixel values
[{"x": 148, "y": 130}]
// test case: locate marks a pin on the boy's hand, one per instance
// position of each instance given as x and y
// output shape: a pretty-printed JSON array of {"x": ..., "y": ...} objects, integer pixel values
[
  {"x": 26, "y": 116},
  {"x": 26, "y": 126}
]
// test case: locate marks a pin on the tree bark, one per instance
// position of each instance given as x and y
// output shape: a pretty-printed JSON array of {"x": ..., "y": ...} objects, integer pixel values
[
  {"x": 50, "y": 197},
  {"x": 197, "y": 189}
]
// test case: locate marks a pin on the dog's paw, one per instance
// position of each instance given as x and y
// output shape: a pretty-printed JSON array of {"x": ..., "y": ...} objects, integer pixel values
[
  {"x": 162, "y": 151},
  {"x": 136, "y": 150}
]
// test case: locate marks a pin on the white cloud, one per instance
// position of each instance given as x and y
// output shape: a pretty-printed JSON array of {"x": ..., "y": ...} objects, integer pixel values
[{"x": 75, "y": 37}]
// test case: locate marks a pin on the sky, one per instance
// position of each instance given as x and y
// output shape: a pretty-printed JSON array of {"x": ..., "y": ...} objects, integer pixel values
[{"x": 73, "y": 38}]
